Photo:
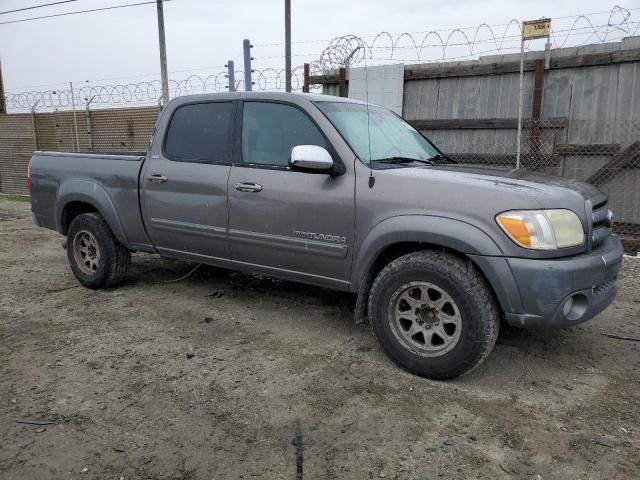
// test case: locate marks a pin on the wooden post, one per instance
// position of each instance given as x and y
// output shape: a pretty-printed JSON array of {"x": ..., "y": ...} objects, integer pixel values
[
  {"x": 305, "y": 84},
  {"x": 538, "y": 86},
  {"x": 629, "y": 156},
  {"x": 342, "y": 82},
  {"x": 536, "y": 114}
]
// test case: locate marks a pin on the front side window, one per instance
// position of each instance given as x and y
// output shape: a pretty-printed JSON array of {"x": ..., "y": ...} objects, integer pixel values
[
  {"x": 200, "y": 133},
  {"x": 271, "y": 130},
  {"x": 376, "y": 134}
]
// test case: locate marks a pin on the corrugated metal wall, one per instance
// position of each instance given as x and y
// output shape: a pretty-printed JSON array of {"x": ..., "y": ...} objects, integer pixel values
[
  {"x": 56, "y": 131},
  {"x": 601, "y": 105},
  {"x": 488, "y": 96},
  {"x": 127, "y": 129},
  {"x": 122, "y": 129},
  {"x": 16, "y": 145}
]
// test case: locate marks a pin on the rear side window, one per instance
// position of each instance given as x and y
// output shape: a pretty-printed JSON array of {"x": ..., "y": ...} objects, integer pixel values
[
  {"x": 201, "y": 133},
  {"x": 271, "y": 130}
]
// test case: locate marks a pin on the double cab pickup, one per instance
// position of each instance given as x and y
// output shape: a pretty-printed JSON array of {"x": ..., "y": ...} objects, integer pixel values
[{"x": 345, "y": 195}]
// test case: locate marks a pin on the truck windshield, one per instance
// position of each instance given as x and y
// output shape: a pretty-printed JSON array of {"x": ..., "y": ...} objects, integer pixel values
[{"x": 379, "y": 136}]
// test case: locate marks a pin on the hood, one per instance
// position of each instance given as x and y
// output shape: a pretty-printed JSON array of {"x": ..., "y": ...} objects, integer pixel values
[
  {"x": 478, "y": 193},
  {"x": 517, "y": 178},
  {"x": 505, "y": 179},
  {"x": 473, "y": 194}
]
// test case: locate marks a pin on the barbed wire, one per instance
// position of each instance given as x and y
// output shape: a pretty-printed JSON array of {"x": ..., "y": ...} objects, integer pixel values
[
  {"x": 348, "y": 50},
  {"x": 147, "y": 92},
  {"x": 343, "y": 51}
]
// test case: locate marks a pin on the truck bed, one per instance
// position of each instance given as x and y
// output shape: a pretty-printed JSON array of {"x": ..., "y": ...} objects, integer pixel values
[{"x": 107, "y": 181}]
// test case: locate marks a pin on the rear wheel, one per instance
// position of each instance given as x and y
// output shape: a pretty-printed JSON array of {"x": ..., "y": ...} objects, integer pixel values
[
  {"x": 434, "y": 314},
  {"x": 96, "y": 257}
]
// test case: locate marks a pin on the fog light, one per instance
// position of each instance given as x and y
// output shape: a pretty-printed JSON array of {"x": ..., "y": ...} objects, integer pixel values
[
  {"x": 575, "y": 307},
  {"x": 568, "y": 305}
]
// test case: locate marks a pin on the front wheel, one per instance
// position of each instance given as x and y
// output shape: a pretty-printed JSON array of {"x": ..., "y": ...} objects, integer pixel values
[
  {"x": 434, "y": 314},
  {"x": 96, "y": 257}
]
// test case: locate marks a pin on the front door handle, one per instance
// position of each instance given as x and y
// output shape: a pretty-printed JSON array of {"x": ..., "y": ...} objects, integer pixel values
[
  {"x": 157, "y": 178},
  {"x": 248, "y": 187}
]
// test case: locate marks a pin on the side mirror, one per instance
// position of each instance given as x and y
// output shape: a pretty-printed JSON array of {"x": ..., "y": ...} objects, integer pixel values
[{"x": 311, "y": 159}]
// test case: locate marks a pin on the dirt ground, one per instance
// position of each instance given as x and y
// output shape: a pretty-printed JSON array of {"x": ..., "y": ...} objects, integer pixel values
[{"x": 227, "y": 376}]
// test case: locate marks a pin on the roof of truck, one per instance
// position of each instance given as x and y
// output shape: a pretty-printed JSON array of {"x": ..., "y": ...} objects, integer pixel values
[{"x": 314, "y": 97}]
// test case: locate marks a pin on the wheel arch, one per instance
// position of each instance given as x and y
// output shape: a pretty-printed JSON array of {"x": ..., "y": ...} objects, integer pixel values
[
  {"x": 71, "y": 210},
  {"x": 76, "y": 197},
  {"x": 402, "y": 235}
]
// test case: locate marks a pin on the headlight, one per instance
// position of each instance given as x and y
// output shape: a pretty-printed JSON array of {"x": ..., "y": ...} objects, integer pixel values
[{"x": 542, "y": 229}]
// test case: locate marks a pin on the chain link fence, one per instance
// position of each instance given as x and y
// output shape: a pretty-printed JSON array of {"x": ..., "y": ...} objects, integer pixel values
[{"x": 603, "y": 153}]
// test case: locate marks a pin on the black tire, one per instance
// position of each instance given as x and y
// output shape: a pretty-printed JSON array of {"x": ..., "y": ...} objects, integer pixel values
[
  {"x": 476, "y": 312},
  {"x": 108, "y": 267}
]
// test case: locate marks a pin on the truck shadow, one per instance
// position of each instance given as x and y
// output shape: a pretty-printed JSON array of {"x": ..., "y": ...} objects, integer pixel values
[
  {"x": 528, "y": 366},
  {"x": 147, "y": 270},
  {"x": 514, "y": 346}
]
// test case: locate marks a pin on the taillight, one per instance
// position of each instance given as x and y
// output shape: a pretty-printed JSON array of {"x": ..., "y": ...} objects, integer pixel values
[{"x": 29, "y": 178}]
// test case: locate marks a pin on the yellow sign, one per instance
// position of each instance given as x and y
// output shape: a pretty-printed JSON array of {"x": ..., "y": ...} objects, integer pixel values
[{"x": 536, "y": 28}]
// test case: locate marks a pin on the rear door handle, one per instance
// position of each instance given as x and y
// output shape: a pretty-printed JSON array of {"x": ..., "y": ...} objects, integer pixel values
[
  {"x": 248, "y": 187},
  {"x": 157, "y": 178}
]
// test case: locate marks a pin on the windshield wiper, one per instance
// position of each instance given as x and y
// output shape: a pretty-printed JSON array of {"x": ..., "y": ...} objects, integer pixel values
[
  {"x": 439, "y": 158},
  {"x": 403, "y": 160}
]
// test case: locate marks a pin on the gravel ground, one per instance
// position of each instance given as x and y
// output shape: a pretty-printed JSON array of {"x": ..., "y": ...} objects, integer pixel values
[{"x": 224, "y": 376}]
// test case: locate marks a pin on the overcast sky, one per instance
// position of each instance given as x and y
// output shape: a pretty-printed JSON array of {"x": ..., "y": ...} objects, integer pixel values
[{"x": 203, "y": 34}]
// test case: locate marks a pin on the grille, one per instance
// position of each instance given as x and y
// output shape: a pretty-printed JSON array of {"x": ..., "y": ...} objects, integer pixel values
[{"x": 602, "y": 222}]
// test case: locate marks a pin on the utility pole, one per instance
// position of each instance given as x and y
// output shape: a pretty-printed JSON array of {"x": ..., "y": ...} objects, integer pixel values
[
  {"x": 287, "y": 44},
  {"x": 163, "y": 54},
  {"x": 246, "y": 48},
  {"x": 231, "y": 75},
  {"x": 3, "y": 106}
]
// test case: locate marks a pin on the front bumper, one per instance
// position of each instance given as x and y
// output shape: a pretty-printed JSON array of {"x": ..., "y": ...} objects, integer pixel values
[{"x": 545, "y": 285}]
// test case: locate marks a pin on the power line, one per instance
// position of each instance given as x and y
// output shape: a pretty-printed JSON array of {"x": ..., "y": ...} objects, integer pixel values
[
  {"x": 37, "y": 6},
  {"x": 81, "y": 11}
]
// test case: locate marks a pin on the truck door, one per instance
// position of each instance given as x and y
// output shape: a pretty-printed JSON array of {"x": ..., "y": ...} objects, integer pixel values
[
  {"x": 184, "y": 182},
  {"x": 283, "y": 222}
]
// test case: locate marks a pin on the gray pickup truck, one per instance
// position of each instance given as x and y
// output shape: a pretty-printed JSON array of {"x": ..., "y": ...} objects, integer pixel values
[{"x": 345, "y": 195}]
